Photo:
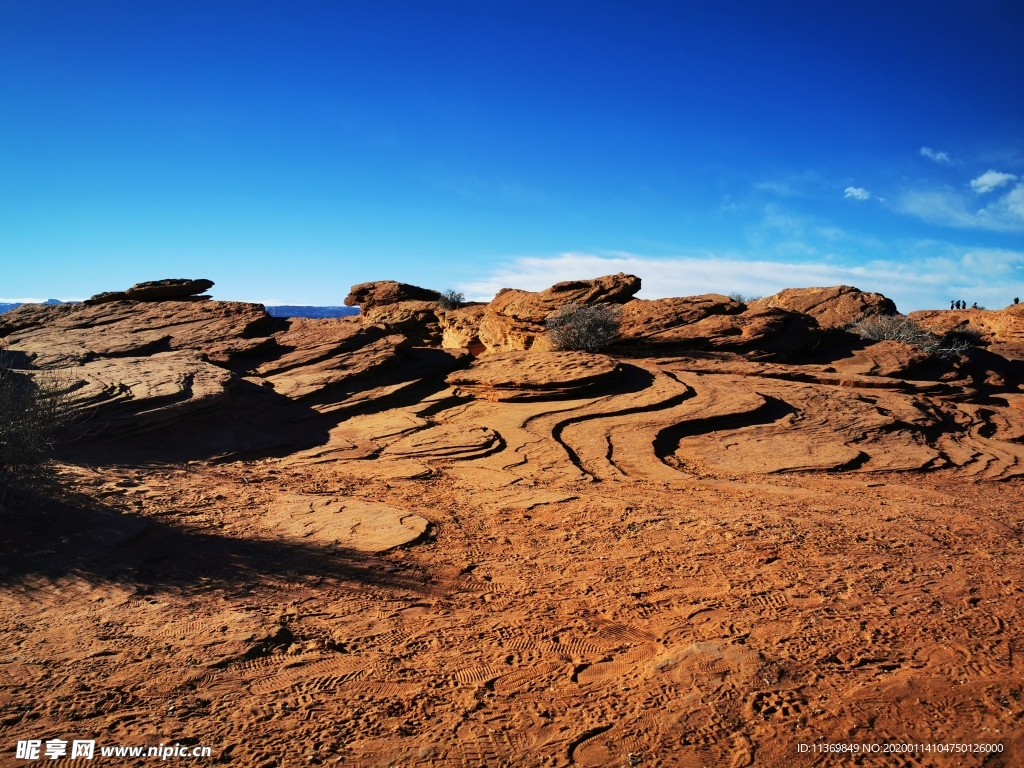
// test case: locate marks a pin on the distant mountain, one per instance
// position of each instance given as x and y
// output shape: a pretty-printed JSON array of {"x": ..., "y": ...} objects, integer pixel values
[
  {"x": 9, "y": 307},
  {"x": 297, "y": 311},
  {"x": 281, "y": 311}
]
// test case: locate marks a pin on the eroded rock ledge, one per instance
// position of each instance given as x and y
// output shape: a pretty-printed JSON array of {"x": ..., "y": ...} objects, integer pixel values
[{"x": 385, "y": 387}]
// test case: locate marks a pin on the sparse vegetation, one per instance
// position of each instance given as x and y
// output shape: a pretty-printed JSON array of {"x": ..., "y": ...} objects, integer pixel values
[
  {"x": 743, "y": 299},
  {"x": 901, "y": 328},
  {"x": 451, "y": 299},
  {"x": 33, "y": 410},
  {"x": 584, "y": 328}
]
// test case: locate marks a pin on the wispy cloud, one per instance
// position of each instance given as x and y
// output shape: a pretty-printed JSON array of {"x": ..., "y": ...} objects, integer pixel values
[
  {"x": 990, "y": 180},
  {"x": 952, "y": 208},
  {"x": 934, "y": 273},
  {"x": 938, "y": 157},
  {"x": 856, "y": 193},
  {"x": 776, "y": 187}
]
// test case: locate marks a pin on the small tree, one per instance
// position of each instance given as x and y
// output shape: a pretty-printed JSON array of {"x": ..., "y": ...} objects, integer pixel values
[
  {"x": 451, "y": 299},
  {"x": 33, "y": 410},
  {"x": 584, "y": 328}
]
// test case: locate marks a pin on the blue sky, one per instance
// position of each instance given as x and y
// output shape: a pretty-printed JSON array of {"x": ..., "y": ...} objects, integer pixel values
[{"x": 289, "y": 150}]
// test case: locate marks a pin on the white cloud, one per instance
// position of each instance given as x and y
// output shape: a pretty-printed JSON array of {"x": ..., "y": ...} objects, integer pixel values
[
  {"x": 951, "y": 208},
  {"x": 938, "y": 157},
  {"x": 856, "y": 193},
  {"x": 990, "y": 180},
  {"x": 931, "y": 276}
]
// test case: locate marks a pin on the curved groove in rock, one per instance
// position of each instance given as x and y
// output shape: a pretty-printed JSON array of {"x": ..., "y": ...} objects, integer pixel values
[{"x": 772, "y": 410}]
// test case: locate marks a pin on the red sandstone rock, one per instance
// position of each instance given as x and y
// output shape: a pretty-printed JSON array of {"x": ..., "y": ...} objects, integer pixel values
[
  {"x": 122, "y": 395},
  {"x": 515, "y": 319},
  {"x": 416, "y": 319},
  {"x": 460, "y": 328},
  {"x": 75, "y": 333},
  {"x": 157, "y": 290},
  {"x": 758, "y": 330},
  {"x": 641, "y": 318},
  {"x": 527, "y": 376},
  {"x": 368, "y": 295},
  {"x": 834, "y": 307},
  {"x": 1000, "y": 326}
]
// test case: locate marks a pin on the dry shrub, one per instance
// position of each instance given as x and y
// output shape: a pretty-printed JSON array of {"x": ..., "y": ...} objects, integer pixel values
[
  {"x": 584, "y": 328},
  {"x": 451, "y": 299},
  {"x": 901, "y": 328},
  {"x": 743, "y": 298},
  {"x": 34, "y": 408}
]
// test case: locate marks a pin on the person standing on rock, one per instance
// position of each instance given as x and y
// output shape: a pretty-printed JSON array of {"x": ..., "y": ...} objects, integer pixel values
[
  {"x": 951, "y": 305},
  {"x": 1016, "y": 300}
]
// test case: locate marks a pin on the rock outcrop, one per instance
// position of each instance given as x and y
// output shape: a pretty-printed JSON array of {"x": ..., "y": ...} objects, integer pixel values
[
  {"x": 514, "y": 320},
  {"x": 158, "y": 290},
  {"x": 321, "y": 354},
  {"x": 460, "y": 328},
  {"x": 419, "y": 320},
  {"x": 643, "y": 319},
  {"x": 381, "y": 292},
  {"x": 517, "y": 376},
  {"x": 124, "y": 395},
  {"x": 70, "y": 334},
  {"x": 999, "y": 326},
  {"x": 835, "y": 307}
]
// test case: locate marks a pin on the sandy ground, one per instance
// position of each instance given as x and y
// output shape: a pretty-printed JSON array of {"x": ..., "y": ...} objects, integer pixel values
[{"x": 579, "y": 585}]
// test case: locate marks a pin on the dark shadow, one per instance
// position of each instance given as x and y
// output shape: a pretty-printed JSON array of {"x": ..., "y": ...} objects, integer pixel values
[
  {"x": 75, "y": 536},
  {"x": 666, "y": 442},
  {"x": 253, "y": 419},
  {"x": 424, "y": 367}
]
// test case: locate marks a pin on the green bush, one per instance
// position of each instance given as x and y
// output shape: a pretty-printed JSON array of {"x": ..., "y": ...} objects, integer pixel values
[
  {"x": 34, "y": 407},
  {"x": 584, "y": 328}
]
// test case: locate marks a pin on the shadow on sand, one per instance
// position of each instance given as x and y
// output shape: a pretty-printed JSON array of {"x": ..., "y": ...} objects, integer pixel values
[{"x": 52, "y": 538}]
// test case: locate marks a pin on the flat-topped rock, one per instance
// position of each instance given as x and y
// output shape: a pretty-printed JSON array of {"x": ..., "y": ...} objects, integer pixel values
[
  {"x": 157, "y": 290},
  {"x": 380, "y": 292},
  {"x": 534, "y": 375}
]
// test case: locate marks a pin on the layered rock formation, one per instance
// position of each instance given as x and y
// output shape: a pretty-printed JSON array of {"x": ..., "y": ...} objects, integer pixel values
[
  {"x": 739, "y": 529},
  {"x": 70, "y": 334},
  {"x": 520, "y": 376},
  {"x": 147, "y": 364},
  {"x": 158, "y": 290}
]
